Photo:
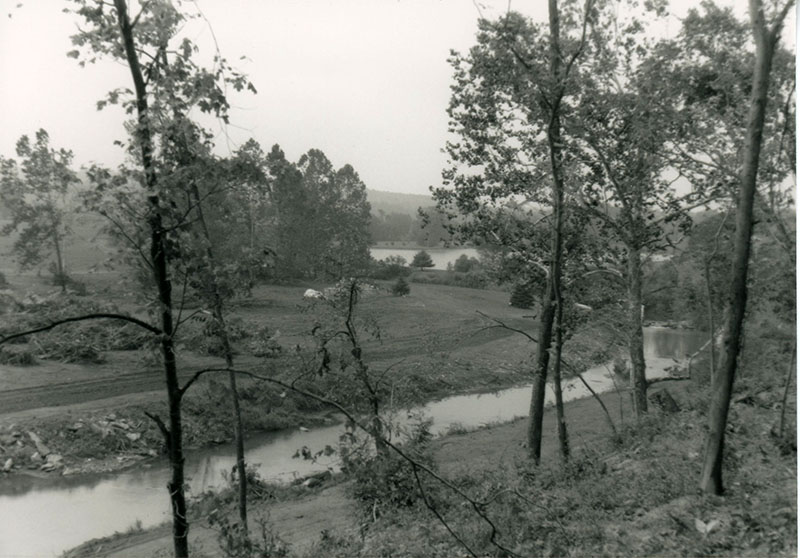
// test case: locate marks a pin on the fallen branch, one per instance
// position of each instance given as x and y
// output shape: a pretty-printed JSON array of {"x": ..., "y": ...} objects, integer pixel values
[{"x": 95, "y": 316}]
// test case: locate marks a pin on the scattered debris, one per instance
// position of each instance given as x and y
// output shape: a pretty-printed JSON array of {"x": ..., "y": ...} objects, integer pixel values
[
  {"x": 40, "y": 447},
  {"x": 310, "y": 481},
  {"x": 705, "y": 528}
]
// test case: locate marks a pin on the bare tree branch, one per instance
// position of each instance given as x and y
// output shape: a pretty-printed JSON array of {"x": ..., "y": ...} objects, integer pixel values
[
  {"x": 94, "y": 316},
  {"x": 476, "y": 505},
  {"x": 161, "y": 426},
  {"x": 435, "y": 512},
  {"x": 503, "y": 325}
]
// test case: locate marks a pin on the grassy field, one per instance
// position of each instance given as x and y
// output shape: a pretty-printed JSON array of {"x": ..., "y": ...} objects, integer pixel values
[{"x": 434, "y": 340}]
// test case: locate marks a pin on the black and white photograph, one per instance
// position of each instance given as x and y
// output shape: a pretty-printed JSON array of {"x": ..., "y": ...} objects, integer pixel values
[{"x": 398, "y": 278}]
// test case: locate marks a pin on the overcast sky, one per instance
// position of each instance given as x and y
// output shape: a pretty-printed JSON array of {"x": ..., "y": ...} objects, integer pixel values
[{"x": 366, "y": 81}]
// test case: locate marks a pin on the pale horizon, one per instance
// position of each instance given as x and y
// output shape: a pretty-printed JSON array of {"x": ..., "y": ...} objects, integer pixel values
[{"x": 365, "y": 81}]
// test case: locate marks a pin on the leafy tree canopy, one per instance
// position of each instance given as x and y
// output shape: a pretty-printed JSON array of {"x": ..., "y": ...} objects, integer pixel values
[{"x": 34, "y": 192}]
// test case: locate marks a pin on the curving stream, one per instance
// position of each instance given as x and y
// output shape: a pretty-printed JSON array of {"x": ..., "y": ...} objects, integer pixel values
[{"x": 44, "y": 517}]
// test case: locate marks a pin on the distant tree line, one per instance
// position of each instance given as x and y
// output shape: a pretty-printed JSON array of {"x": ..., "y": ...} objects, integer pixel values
[
  {"x": 430, "y": 230},
  {"x": 284, "y": 219}
]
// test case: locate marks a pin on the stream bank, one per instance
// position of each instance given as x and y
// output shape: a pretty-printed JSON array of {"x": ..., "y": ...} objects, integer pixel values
[
  {"x": 103, "y": 504},
  {"x": 329, "y": 511}
]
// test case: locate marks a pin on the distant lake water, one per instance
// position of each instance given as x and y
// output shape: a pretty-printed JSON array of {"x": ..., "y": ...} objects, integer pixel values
[{"x": 440, "y": 256}]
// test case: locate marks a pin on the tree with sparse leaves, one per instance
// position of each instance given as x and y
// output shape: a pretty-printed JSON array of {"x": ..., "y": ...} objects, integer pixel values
[
  {"x": 766, "y": 29},
  {"x": 511, "y": 93},
  {"x": 167, "y": 85},
  {"x": 34, "y": 192}
]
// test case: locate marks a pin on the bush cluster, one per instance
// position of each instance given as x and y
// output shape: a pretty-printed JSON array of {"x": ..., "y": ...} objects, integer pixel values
[
  {"x": 385, "y": 481},
  {"x": 392, "y": 267},
  {"x": 523, "y": 295},
  {"x": 465, "y": 264},
  {"x": 400, "y": 287},
  {"x": 16, "y": 357},
  {"x": 470, "y": 280},
  {"x": 201, "y": 335},
  {"x": 74, "y": 342}
]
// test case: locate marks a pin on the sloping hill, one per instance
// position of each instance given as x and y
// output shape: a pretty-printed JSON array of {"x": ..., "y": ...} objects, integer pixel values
[{"x": 395, "y": 202}]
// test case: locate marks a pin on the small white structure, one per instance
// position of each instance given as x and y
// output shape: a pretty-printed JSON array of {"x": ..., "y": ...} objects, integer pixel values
[{"x": 311, "y": 293}]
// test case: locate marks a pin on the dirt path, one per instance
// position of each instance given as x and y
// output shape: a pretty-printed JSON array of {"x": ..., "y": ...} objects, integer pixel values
[
  {"x": 53, "y": 384},
  {"x": 300, "y": 522}
]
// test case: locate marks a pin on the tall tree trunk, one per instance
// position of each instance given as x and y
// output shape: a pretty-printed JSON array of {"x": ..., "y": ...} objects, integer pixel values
[
  {"x": 174, "y": 434},
  {"x": 789, "y": 373},
  {"x": 554, "y": 278},
  {"x": 563, "y": 436},
  {"x": 61, "y": 275},
  {"x": 547, "y": 314},
  {"x": 636, "y": 335},
  {"x": 765, "y": 40},
  {"x": 377, "y": 427},
  {"x": 227, "y": 350},
  {"x": 711, "y": 326}
]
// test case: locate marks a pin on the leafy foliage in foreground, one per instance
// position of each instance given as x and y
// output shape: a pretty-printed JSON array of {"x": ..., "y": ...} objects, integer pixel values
[
  {"x": 635, "y": 496},
  {"x": 384, "y": 482}
]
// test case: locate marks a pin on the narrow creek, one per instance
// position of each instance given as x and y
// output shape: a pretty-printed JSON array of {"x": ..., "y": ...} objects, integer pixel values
[{"x": 44, "y": 517}]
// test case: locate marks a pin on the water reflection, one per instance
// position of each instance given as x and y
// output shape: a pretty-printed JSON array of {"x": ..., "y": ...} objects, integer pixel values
[{"x": 440, "y": 256}]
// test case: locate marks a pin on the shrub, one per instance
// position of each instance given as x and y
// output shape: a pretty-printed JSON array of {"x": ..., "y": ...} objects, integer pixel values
[
  {"x": 389, "y": 268},
  {"x": 16, "y": 357},
  {"x": 465, "y": 264},
  {"x": 264, "y": 343},
  {"x": 401, "y": 288},
  {"x": 523, "y": 295},
  {"x": 471, "y": 280},
  {"x": 385, "y": 481},
  {"x": 235, "y": 543},
  {"x": 200, "y": 334},
  {"x": 69, "y": 344}
]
